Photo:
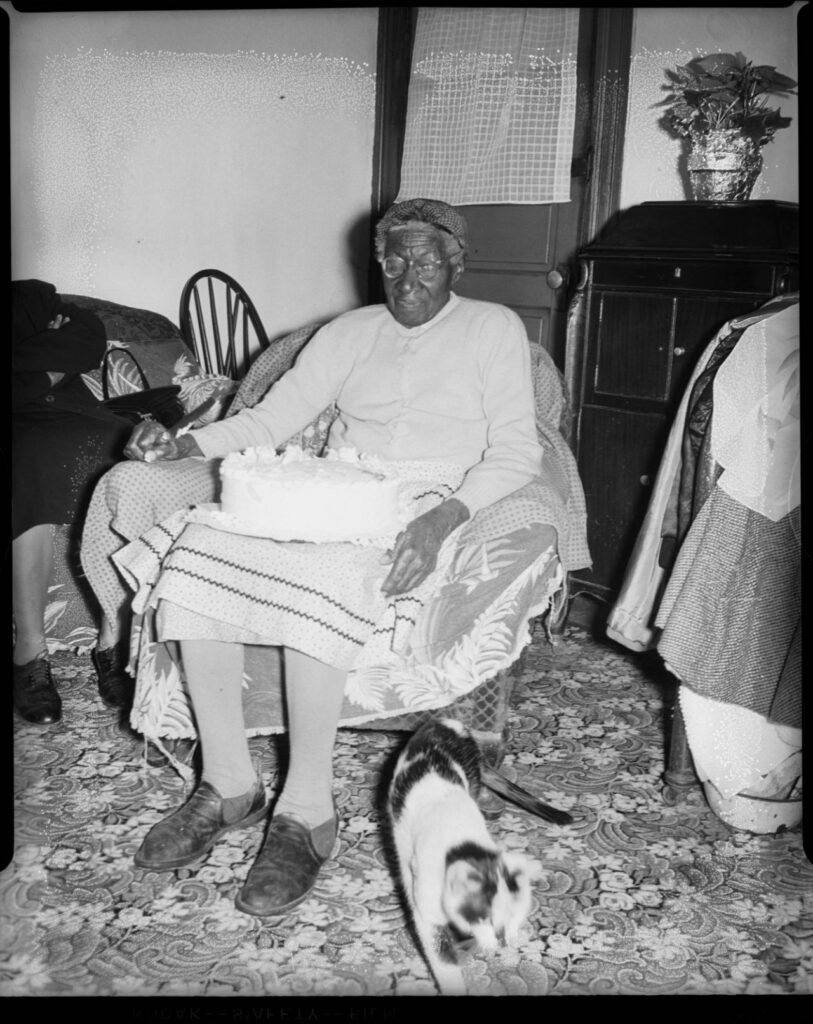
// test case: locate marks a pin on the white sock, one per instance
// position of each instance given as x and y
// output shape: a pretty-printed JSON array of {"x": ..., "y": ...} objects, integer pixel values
[
  {"x": 314, "y": 692},
  {"x": 214, "y": 677}
]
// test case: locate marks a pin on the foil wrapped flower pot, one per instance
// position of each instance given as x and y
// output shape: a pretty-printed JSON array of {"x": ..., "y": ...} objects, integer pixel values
[{"x": 723, "y": 165}]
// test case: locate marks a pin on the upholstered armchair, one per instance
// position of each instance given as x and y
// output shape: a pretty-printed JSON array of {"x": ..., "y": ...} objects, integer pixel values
[{"x": 509, "y": 567}]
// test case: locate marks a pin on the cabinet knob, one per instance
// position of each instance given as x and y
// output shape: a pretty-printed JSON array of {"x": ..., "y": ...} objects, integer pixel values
[
  {"x": 645, "y": 480},
  {"x": 679, "y": 351},
  {"x": 557, "y": 277}
]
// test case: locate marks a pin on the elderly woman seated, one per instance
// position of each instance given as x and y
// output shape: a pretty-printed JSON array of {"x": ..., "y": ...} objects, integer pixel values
[{"x": 440, "y": 387}]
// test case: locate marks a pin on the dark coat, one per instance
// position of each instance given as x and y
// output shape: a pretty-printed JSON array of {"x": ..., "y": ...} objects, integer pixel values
[
  {"x": 62, "y": 438},
  {"x": 76, "y": 347}
]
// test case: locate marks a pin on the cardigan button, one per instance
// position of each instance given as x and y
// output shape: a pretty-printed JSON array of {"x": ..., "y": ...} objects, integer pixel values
[{"x": 49, "y": 398}]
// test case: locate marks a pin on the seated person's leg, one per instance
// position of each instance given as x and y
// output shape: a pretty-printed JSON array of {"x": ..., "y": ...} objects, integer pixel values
[
  {"x": 229, "y": 795},
  {"x": 35, "y": 696},
  {"x": 305, "y": 823},
  {"x": 314, "y": 693},
  {"x": 128, "y": 500},
  {"x": 303, "y": 829}
]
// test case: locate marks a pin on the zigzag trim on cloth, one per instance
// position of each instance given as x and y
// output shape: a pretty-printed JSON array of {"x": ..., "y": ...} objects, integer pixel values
[
  {"x": 268, "y": 603},
  {"x": 440, "y": 493},
  {"x": 397, "y": 618},
  {"x": 258, "y": 574}
]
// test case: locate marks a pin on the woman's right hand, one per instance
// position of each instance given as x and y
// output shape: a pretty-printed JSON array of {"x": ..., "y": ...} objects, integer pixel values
[{"x": 152, "y": 442}]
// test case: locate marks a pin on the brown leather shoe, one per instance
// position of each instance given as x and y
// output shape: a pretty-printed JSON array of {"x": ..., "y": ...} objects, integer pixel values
[
  {"x": 287, "y": 866},
  {"x": 191, "y": 831},
  {"x": 34, "y": 694}
]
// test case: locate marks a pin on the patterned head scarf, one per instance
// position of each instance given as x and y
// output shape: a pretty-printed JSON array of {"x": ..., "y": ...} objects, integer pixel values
[{"x": 426, "y": 211}]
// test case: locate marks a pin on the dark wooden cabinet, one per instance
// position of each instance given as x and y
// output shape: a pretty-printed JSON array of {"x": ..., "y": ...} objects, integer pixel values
[{"x": 654, "y": 288}]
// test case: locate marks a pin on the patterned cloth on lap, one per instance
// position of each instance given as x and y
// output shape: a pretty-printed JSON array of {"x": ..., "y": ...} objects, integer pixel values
[
  {"x": 323, "y": 599},
  {"x": 474, "y": 626}
]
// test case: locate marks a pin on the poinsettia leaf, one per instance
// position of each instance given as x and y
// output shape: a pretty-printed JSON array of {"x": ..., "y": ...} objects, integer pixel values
[
  {"x": 683, "y": 109},
  {"x": 767, "y": 118},
  {"x": 716, "y": 63},
  {"x": 768, "y": 79}
]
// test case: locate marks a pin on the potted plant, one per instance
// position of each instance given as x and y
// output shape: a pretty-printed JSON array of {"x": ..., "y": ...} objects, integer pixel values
[{"x": 719, "y": 103}]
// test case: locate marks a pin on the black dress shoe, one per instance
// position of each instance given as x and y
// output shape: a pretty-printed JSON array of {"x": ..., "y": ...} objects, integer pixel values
[
  {"x": 191, "y": 831},
  {"x": 116, "y": 686},
  {"x": 287, "y": 866},
  {"x": 35, "y": 696}
]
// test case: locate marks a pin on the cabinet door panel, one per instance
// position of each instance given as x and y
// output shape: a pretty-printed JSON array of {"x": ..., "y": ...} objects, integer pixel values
[
  {"x": 631, "y": 345},
  {"x": 619, "y": 454},
  {"x": 697, "y": 321}
]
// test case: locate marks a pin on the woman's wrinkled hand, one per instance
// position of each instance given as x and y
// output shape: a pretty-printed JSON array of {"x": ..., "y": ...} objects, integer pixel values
[
  {"x": 415, "y": 552},
  {"x": 58, "y": 322},
  {"x": 152, "y": 442}
]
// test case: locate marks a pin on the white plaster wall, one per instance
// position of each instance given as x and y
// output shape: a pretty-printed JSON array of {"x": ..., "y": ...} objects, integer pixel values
[
  {"x": 666, "y": 36},
  {"x": 147, "y": 145}
]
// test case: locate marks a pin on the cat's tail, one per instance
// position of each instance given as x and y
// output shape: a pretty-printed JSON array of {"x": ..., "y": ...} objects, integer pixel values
[
  {"x": 497, "y": 782},
  {"x": 441, "y": 956},
  {"x": 449, "y": 979}
]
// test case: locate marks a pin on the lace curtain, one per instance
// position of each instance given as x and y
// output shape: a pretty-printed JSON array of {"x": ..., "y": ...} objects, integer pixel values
[{"x": 492, "y": 102}]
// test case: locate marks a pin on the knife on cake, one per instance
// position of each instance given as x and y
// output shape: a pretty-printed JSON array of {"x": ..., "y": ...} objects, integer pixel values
[{"x": 184, "y": 424}]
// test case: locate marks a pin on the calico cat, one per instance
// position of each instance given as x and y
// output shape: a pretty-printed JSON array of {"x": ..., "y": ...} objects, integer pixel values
[{"x": 458, "y": 884}]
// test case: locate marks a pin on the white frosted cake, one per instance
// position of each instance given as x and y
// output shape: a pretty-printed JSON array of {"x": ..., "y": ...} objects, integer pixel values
[{"x": 295, "y": 496}]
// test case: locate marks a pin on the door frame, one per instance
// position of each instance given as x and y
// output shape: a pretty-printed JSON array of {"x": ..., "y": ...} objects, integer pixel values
[{"x": 610, "y": 30}]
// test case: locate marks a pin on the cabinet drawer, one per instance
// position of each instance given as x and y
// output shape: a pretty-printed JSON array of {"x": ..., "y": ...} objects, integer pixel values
[{"x": 712, "y": 276}]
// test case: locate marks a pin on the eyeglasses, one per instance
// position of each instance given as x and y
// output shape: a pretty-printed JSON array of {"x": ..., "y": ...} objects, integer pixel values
[{"x": 426, "y": 269}]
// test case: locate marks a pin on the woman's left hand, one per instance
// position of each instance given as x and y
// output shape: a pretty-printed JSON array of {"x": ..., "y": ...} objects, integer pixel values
[{"x": 415, "y": 552}]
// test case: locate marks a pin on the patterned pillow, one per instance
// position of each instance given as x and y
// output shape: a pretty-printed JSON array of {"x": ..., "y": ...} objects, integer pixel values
[
  {"x": 269, "y": 366},
  {"x": 550, "y": 393},
  {"x": 196, "y": 390},
  {"x": 154, "y": 340},
  {"x": 266, "y": 369}
]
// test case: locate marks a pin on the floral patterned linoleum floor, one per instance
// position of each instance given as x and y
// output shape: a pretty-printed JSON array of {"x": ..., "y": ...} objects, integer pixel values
[{"x": 638, "y": 896}]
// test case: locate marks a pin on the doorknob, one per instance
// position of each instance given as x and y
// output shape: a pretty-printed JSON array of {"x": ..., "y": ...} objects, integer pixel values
[{"x": 557, "y": 277}]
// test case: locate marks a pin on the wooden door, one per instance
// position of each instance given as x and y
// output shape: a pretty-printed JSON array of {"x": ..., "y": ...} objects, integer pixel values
[{"x": 523, "y": 256}]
